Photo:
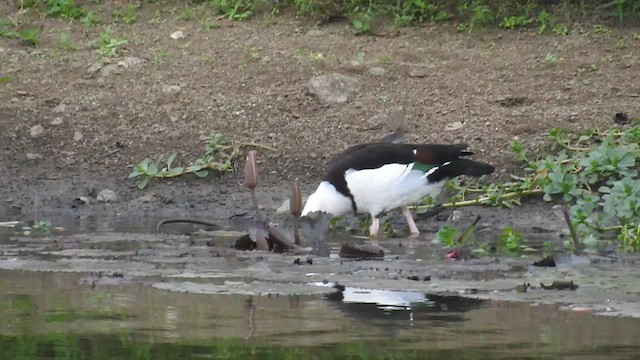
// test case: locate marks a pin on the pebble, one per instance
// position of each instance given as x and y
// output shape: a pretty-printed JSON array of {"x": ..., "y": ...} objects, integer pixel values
[
  {"x": 456, "y": 125},
  {"x": 56, "y": 121},
  {"x": 77, "y": 136},
  {"x": 34, "y": 156},
  {"x": 377, "y": 71},
  {"x": 177, "y": 35},
  {"x": 107, "y": 196},
  {"x": 171, "y": 89},
  {"x": 36, "y": 131},
  {"x": 62, "y": 107},
  {"x": 456, "y": 215},
  {"x": 417, "y": 73},
  {"x": 94, "y": 68}
]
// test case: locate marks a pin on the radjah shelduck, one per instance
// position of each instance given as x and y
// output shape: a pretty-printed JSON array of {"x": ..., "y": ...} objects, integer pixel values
[{"x": 378, "y": 177}]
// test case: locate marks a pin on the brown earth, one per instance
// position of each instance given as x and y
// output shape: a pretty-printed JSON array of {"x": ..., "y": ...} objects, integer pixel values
[{"x": 247, "y": 80}]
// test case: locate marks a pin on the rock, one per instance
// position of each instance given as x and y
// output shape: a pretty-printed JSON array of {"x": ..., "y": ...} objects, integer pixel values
[
  {"x": 171, "y": 89},
  {"x": 456, "y": 125},
  {"x": 77, "y": 136},
  {"x": 130, "y": 61},
  {"x": 151, "y": 198},
  {"x": 177, "y": 35},
  {"x": 15, "y": 100},
  {"x": 107, "y": 196},
  {"x": 62, "y": 107},
  {"x": 56, "y": 121},
  {"x": 377, "y": 71},
  {"x": 378, "y": 120},
  {"x": 333, "y": 88},
  {"x": 93, "y": 69},
  {"x": 456, "y": 215},
  {"x": 34, "y": 156},
  {"x": 316, "y": 33},
  {"x": 107, "y": 70},
  {"x": 36, "y": 131},
  {"x": 418, "y": 73},
  {"x": 355, "y": 63}
]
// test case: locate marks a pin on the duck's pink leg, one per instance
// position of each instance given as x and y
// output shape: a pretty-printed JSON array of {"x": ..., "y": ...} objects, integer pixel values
[{"x": 412, "y": 225}]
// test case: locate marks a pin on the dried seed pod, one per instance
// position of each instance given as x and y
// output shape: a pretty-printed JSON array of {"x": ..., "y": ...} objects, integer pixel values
[{"x": 251, "y": 170}]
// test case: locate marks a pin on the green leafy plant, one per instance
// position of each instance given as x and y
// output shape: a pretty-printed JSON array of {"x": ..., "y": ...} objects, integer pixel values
[
  {"x": 236, "y": 10},
  {"x": 220, "y": 156},
  {"x": 64, "y": 43},
  {"x": 109, "y": 45},
  {"x": 447, "y": 236},
  {"x": 210, "y": 24},
  {"x": 90, "y": 19},
  {"x": 511, "y": 241},
  {"x": 43, "y": 227},
  {"x": 64, "y": 8},
  {"x": 128, "y": 15},
  {"x": 513, "y": 22},
  {"x": 361, "y": 21}
]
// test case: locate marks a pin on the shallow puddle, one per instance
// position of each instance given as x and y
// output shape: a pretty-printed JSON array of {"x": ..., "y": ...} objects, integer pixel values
[{"x": 59, "y": 315}]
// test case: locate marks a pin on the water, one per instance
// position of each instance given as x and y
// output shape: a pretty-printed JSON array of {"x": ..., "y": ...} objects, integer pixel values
[{"x": 60, "y": 316}]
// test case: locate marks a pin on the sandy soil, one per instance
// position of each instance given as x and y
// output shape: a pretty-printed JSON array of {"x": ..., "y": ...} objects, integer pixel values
[{"x": 247, "y": 81}]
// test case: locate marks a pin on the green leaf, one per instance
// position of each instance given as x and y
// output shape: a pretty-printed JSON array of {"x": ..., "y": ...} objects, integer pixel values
[
  {"x": 175, "y": 171},
  {"x": 5, "y": 79},
  {"x": 144, "y": 182},
  {"x": 133, "y": 174},
  {"x": 171, "y": 158},
  {"x": 152, "y": 170},
  {"x": 202, "y": 173},
  {"x": 195, "y": 167}
]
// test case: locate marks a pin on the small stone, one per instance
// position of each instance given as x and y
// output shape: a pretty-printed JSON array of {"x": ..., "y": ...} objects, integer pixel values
[
  {"x": 33, "y": 156},
  {"x": 151, "y": 198},
  {"x": 107, "y": 70},
  {"x": 62, "y": 107},
  {"x": 15, "y": 100},
  {"x": 316, "y": 33},
  {"x": 333, "y": 88},
  {"x": 355, "y": 63},
  {"x": 56, "y": 121},
  {"x": 377, "y": 71},
  {"x": 177, "y": 35},
  {"x": 77, "y": 136},
  {"x": 456, "y": 215},
  {"x": 130, "y": 61},
  {"x": 456, "y": 125},
  {"x": 417, "y": 73},
  {"x": 107, "y": 196},
  {"x": 94, "y": 68},
  {"x": 36, "y": 131},
  {"x": 171, "y": 89}
]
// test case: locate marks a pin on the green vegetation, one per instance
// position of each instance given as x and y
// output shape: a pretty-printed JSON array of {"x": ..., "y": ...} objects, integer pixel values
[
  {"x": 109, "y": 45},
  {"x": 467, "y": 15},
  {"x": 220, "y": 156},
  {"x": 595, "y": 173}
]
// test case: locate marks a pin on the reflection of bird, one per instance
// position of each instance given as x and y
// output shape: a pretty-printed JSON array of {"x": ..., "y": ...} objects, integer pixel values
[{"x": 376, "y": 177}]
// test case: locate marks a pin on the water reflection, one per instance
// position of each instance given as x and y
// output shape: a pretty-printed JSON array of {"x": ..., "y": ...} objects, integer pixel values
[{"x": 54, "y": 315}]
